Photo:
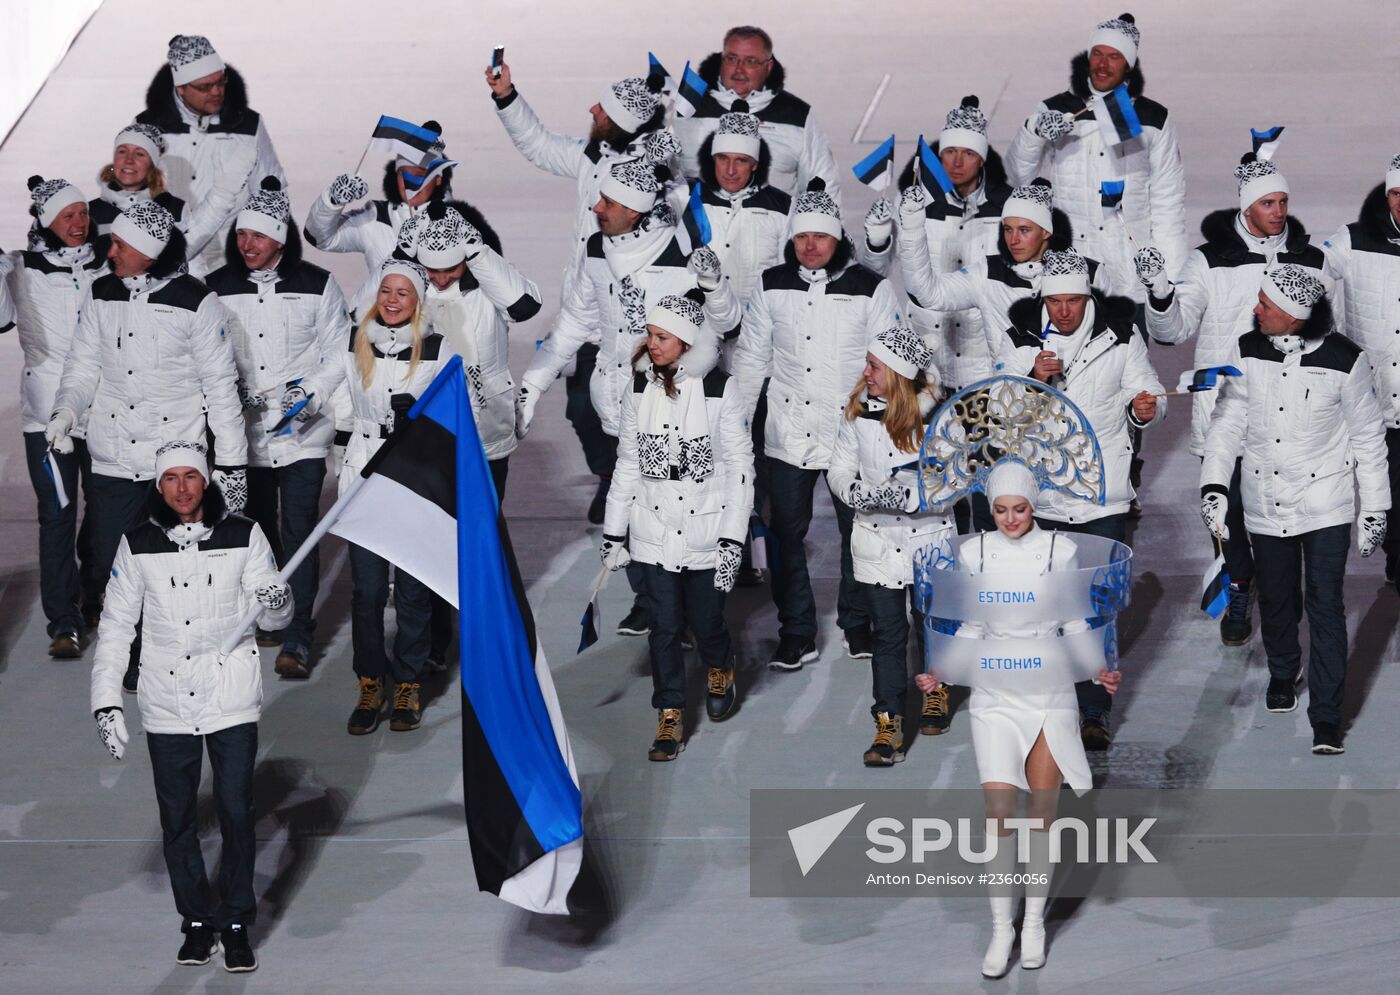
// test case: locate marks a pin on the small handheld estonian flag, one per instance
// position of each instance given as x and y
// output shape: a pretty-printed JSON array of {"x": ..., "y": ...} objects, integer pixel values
[
  {"x": 592, "y": 615},
  {"x": 696, "y": 219},
  {"x": 394, "y": 137},
  {"x": 875, "y": 169},
  {"x": 1266, "y": 141},
  {"x": 1117, "y": 118},
  {"x": 655, "y": 68},
  {"x": 1111, "y": 197},
  {"x": 56, "y": 476},
  {"x": 1215, "y": 588},
  {"x": 690, "y": 92},
  {"x": 285, "y": 422},
  {"x": 1195, "y": 381},
  {"x": 931, "y": 171}
]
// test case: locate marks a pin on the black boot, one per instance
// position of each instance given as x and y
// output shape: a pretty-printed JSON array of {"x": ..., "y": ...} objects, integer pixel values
[
  {"x": 1236, "y": 626},
  {"x": 599, "y": 505}
]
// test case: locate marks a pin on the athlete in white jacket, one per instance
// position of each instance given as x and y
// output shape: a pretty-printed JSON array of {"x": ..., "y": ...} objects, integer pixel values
[
  {"x": 46, "y": 284},
  {"x": 187, "y": 575},
  {"x": 1305, "y": 423}
]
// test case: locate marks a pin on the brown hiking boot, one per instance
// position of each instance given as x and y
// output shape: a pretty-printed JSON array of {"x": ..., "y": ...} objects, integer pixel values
[
  {"x": 670, "y": 736},
  {"x": 722, "y": 694},
  {"x": 887, "y": 749},
  {"x": 408, "y": 711},
  {"x": 935, "y": 718}
]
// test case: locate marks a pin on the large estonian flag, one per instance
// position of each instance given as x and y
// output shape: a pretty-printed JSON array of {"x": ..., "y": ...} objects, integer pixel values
[
  {"x": 394, "y": 137},
  {"x": 523, "y": 807},
  {"x": 1117, "y": 118}
]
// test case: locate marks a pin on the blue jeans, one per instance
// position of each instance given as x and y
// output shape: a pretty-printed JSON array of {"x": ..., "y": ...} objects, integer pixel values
[
  {"x": 175, "y": 767},
  {"x": 677, "y": 601},
  {"x": 295, "y": 491},
  {"x": 1319, "y": 561},
  {"x": 63, "y": 581},
  {"x": 790, "y": 500},
  {"x": 889, "y": 660},
  {"x": 413, "y": 610}
]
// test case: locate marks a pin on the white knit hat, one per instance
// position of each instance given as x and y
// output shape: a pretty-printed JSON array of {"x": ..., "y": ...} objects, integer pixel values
[
  {"x": 182, "y": 453},
  {"x": 1120, "y": 32},
  {"x": 1258, "y": 177},
  {"x": 1064, "y": 272},
  {"x": 965, "y": 127},
  {"x": 1392, "y": 175},
  {"x": 145, "y": 226},
  {"x": 143, "y": 136},
  {"x": 679, "y": 315},
  {"x": 1012, "y": 478},
  {"x": 1295, "y": 289},
  {"x": 630, "y": 103},
  {"x": 632, "y": 184},
  {"x": 50, "y": 197},
  {"x": 902, "y": 351},
  {"x": 816, "y": 211},
  {"x": 443, "y": 242},
  {"x": 415, "y": 273},
  {"x": 737, "y": 134},
  {"x": 269, "y": 211},
  {"x": 1031, "y": 202},
  {"x": 191, "y": 57}
]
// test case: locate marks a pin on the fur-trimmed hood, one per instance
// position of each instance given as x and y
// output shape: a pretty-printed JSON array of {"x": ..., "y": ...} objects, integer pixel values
[
  {"x": 993, "y": 170},
  {"x": 841, "y": 259},
  {"x": 696, "y": 362},
  {"x": 291, "y": 251},
  {"x": 707, "y": 164},
  {"x": 215, "y": 508},
  {"x": 170, "y": 262},
  {"x": 1110, "y": 311},
  {"x": 1061, "y": 236},
  {"x": 162, "y": 111},
  {"x": 1079, "y": 77},
  {"x": 1218, "y": 229},
  {"x": 709, "y": 72},
  {"x": 1375, "y": 215}
]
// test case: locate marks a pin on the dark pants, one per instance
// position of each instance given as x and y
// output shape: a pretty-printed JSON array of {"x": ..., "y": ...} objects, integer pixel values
[
  {"x": 1392, "y": 536},
  {"x": 599, "y": 448},
  {"x": 63, "y": 581},
  {"x": 1135, "y": 434},
  {"x": 889, "y": 663},
  {"x": 295, "y": 491},
  {"x": 1319, "y": 560},
  {"x": 117, "y": 506},
  {"x": 677, "y": 602},
  {"x": 1092, "y": 697},
  {"x": 175, "y": 766},
  {"x": 790, "y": 498},
  {"x": 1239, "y": 559},
  {"x": 974, "y": 514},
  {"x": 413, "y": 610},
  {"x": 444, "y": 615}
]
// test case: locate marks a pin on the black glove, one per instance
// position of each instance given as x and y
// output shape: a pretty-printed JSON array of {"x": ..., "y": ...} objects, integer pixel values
[{"x": 400, "y": 405}]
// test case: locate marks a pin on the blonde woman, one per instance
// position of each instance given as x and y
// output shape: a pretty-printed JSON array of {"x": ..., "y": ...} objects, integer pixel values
[
  {"x": 393, "y": 357},
  {"x": 874, "y": 469}
]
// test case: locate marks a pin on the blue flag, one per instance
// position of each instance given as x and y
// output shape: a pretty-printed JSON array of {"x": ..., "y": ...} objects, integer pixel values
[
  {"x": 696, "y": 219},
  {"x": 874, "y": 170},
  {"x": 1215, "y": 588},
  {"x": 931, "y": 171},
  {"x": 690, "y": 92},
  {"x": 1195, "y": 381},
  {"x": 655, "y": 68},
  {"x": 1266, "y": 141},
  {"x": 1116, "y": 116}
]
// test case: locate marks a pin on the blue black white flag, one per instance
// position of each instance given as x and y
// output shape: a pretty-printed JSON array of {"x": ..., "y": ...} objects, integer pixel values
[
  {"x": 695, "y": 219},
  {"x": 690, "y": 92},
  {"x": 655, "y": 68},
  {"x": 1266, "y": 140},
  {"x": 1111, "y": 197},
  {"x": 1116, "y": 116},
  {"x": 1195, "y": 381},
  {"x": 931, "y": 171},
  {"x": 1215, "y": 588},
  {"x": 394, "y": 137},
  {"x": 524, "y": 811},
  {"x": 876, "y": 168}
]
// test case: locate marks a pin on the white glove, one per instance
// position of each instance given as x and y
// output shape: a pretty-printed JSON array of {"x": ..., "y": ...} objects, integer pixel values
[
  {"x": 273, "y": 597},
  {"x": 705, "y": 265},
  {"x": 1213, "y": 505},
  {"x": 247, "y": 398},
  {"x": 111, "y": 729},
  {"x": 730, "y": 555},
  {"x": 1370, "y": 531},
  {"x": 525, "y": 400},
  {"x": 58, "y": 430},
  {"x": 293, "y": 396},
  {"x": 1053, "y": 125},
  {"x": 1152, "y": 272},
  {"x": 912, "y": 203},
  {"x": 660, "y": 147},
  {"x": 879, "y": 224},
  {"x": 233, "y": 481},
  {"x": 346, "y": 188},
  {"x": 614, "y": 552}
]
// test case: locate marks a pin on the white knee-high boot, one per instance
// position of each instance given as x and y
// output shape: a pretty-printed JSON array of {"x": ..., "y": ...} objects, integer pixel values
[
  {"x": 1003, "y": 901},
  {"x": 1037, "y": 894}
]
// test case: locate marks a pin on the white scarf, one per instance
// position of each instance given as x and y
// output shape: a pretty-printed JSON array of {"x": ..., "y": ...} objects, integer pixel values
[
  {"x": 1068, "y": 345},
  {"x": 449, "y": 314},
  {"x": 674, "y": 431}
]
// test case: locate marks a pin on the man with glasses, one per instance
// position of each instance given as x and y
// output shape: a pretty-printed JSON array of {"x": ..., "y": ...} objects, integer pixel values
[
  {"x": 217, "y": 148},
  {"x": 746, "y": 77}
]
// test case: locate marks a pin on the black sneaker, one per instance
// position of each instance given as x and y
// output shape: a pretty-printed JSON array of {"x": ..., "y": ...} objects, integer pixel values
[
  {"x": 1236, "y": 625},
  {"x": 132, "y": 675},
  {"x": 1327, "y": 739},
  {"x": 792, "y": 653},
  {"x": 858, "y": 642},
  {"x": 598, "y": 507},
  {"x": 670, "y": 735},
  {"x": 369, "y": 708},
  {"x": 637, "y": 622},
  {"x": 1281, "y": 697},
  {"x": 408, "y": 710},
  {"x": 200, "y": 945},
  {"x": 722, "y": 693},
  {"x": 935, "y": 719},
  {"x": 1094, "y": 729},
  {"x": 238, "y": 951},
  {"x": 887, "y": 749}
]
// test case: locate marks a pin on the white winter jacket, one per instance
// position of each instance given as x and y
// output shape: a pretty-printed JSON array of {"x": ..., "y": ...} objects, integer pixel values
[
  {"x": 46, "y": 291},
  {"x": 187, "y": 596},
  {"x": 214, "y": 163},
  {"x": 1154, "y": 194},
  {"x": 152, "y": 363},
  {"x": 112, "y": 200},
  {"x": 372, "y": 229},
  {"x": 1365, "y": 257},
  {"x": 1108, "y": 371},
  {"x": 654, "y": 257},
  {"x": 1216, "y": 295},
  {"x": 883, "y": 542},
  {"x": 809, "y": 332},
  {"x": 676, "y": 522},
  {"x": 801, "y": 151},
  {"x": 284, "y": 330},
  {"x": 1305, "y": 424},
  {"x": 748, "y": 231},
  {"x": 473, "y": 317}
]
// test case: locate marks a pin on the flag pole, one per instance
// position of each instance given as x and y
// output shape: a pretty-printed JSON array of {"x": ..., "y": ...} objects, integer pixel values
[{"x": 231, "y": 640}]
